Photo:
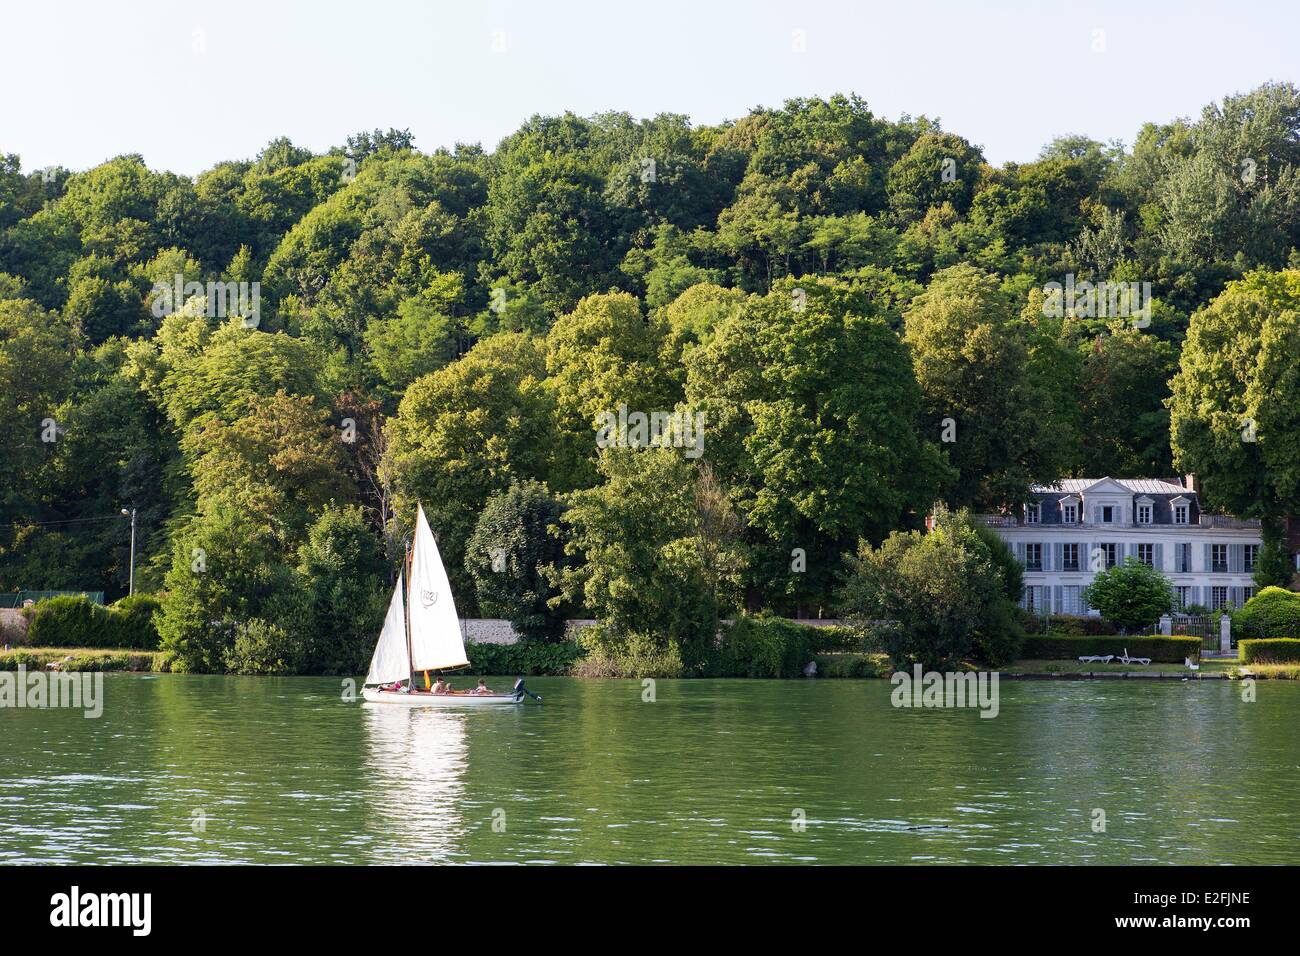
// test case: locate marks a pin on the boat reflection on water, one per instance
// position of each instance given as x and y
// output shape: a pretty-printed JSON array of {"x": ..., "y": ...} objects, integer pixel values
[{"x": 417, "y": 761}]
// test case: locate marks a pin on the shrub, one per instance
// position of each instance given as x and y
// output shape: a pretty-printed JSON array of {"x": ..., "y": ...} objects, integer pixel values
[
  {"x": 612, "y": 654},
  {"x": 1274, "y": 650},
  {"x": 13, "y": 627},
  {"x": 999, "y": 637},
  {"x": 841, "y": 638},
  {"x": 131, "y": 621},
  {"x": 525, "y": 658},
  {"x": 69, "y": 621},
  {"x": 762, "y": 646},
  {"x": 1165, "y": 650},
  {"x": 850, "y": 665},
  {"x": 262, "y": 648},
  {"x": 1273, "y": 612}
]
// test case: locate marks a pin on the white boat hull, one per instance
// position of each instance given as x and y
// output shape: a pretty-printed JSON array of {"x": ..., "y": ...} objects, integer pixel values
[{"x": 376, "y": 696}]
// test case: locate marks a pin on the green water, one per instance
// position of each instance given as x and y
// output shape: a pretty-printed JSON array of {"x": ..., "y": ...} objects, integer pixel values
[{"x": 262, "y": 770}]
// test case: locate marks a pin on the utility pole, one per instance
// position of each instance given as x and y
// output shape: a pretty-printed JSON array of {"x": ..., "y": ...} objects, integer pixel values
[{"x": 131, "y": 513}]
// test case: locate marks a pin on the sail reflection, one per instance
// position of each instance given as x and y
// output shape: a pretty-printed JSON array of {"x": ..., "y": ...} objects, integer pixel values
[{"x": 418, "y": 757}]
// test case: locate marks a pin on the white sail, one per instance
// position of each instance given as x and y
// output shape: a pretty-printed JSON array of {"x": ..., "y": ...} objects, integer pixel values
[
  {"x": 390, "y": 661},
  {"x": 435, "y": 628}
]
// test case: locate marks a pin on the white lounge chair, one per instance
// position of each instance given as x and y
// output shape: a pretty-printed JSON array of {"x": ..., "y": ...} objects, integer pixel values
[
  {"x": 1190, "y": 665},
  {"x": 1125, "y": 659},
  {"x": 1097, "y": 659}
]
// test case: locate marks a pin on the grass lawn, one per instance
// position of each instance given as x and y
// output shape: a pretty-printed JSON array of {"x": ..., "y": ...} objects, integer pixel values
[
  {"x": 83, "y": 658},
  {"x": 1208, "y": 667}
]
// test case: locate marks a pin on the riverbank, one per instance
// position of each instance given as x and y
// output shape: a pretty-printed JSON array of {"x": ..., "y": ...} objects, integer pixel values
[
  {"x": 829, "y": 666},
  {"x": 81, "y": 659}
]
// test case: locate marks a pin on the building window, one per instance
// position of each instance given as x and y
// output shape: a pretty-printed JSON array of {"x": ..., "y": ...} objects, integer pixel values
[
  {"x": 1183, "y": 556},
  {"x": 1033, "y": 597},
  {"x": 1032, "y": 513},
  {"x": 1107, "y": 514},
  {"x": 1144, "y": 514},
  {"x": 1251, "y": 557},
  {"x": 1180, "y": 514},
  {"x": 1183, "y": 596},
  {"x": 1069, "y": 513},
  {"x": 1033, "y": 557},
  {"x": 1246, "y": 594},
  {"x": 1108, "y": 552},
  {"x": 1069, "y": 557},
  {"x": 1219, "y": 558},
  {"x": 1070, "y": 603},
  {"x": 1147, "y": 554},
  {"x": 1218, "y": 598}
]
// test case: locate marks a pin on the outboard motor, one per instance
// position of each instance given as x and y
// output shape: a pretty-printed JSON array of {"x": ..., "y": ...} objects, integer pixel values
[{"x": 520, "y": 689}]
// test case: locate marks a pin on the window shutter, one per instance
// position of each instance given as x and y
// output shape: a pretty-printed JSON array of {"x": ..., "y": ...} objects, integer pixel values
[
  {"x": 1208, "y": 563},
  {"x": 1236, "y": 557},
  {"x": 1020, "y": 552},
  {"x": 1047, "y": 556},
  {"x": 1160, "y": 557}
]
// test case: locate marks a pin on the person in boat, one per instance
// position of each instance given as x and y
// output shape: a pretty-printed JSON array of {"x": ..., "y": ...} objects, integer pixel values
[
  {"x": 439, "y": 687},
  {"x": 482, "y": 689}
]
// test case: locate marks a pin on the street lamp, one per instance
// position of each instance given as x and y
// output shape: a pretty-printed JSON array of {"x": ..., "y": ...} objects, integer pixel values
[{"x": 131, "y": 514}]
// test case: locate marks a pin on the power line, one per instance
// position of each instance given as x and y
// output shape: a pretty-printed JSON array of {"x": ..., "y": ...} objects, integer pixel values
[{"x": 29, "y": 524}]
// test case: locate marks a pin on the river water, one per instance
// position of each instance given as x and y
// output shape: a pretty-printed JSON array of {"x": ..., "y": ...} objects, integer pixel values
[{"x": 195, "y": 769}]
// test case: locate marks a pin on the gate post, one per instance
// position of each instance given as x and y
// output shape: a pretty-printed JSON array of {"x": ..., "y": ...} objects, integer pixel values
[
  {"x": 1166, "y": 625},
  {"x": 1225, "y": 634}
]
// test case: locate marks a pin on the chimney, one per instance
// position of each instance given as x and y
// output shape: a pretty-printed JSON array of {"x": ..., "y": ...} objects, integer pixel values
[{"x": 1189, "y": 482}]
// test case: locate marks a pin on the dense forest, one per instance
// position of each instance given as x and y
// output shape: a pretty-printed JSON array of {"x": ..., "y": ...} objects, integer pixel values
[{"x": 855, "y": 306}]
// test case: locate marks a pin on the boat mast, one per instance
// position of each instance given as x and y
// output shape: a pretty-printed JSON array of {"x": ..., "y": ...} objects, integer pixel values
[{"x": 409, "y": 556}]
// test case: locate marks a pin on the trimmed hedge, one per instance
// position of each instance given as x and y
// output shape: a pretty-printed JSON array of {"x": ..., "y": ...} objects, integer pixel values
[
  {"x": 1163, "y": 650},
  {"x": 1273, "y": 612},
  {"x": 76, "y": 621},
  {"x": 1269, "y": 650},
  {"x": 527, "y": 658},
  {"x": 132, "y": 620}
]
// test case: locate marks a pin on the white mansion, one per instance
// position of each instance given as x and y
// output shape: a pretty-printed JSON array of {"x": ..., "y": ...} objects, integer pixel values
[{"x": 1079, "y": 526}]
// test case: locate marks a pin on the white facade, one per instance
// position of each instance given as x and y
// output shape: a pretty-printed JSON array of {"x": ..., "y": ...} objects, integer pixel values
[{"x": 1079, "y": 526}]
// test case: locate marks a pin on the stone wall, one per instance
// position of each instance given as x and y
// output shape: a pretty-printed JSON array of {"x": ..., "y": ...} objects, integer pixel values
[{"x": 488, "y": 630}]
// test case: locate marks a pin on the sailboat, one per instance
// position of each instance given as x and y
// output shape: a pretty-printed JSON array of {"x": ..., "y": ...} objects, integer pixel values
[{"x": 422, "y": 633}]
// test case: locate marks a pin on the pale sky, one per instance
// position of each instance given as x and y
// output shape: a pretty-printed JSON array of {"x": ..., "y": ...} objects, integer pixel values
[{"x": 189, "y": 84}]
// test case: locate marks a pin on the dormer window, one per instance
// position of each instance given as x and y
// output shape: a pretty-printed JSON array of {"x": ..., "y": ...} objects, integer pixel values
[
  {"x": 1143, "y": 514},
  {"x": 1180, "y": 514},
  {"x": 1069, "y": 512},
  {"x": 1107, "y": 514},
  {"x": 1033, "y": 513}
]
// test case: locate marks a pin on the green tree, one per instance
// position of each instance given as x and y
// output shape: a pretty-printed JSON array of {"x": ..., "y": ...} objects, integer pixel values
[
  {"x": 1233, "y": 415},
  {"x": 1130, "y": 595},
  {"x": 981, "y": 395},
  {"x": 514, "y": 553},
  {"x": 342, "y": 576},
  {"x": 466, "y": 431},
  {"x": 938, "y": 591}
]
